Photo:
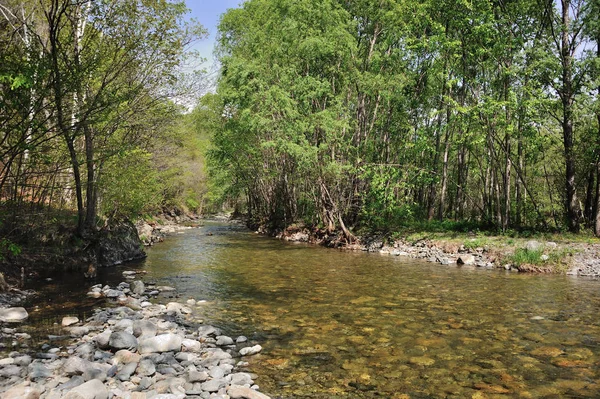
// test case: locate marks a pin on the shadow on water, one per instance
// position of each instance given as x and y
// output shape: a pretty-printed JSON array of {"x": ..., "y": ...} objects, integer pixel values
[{"x": 355, "y": 325}]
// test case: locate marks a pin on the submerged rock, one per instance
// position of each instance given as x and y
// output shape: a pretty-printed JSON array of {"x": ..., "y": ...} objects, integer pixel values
[
  {"x": 240, "y": 392},
  {"x": 249, "y": 351}
]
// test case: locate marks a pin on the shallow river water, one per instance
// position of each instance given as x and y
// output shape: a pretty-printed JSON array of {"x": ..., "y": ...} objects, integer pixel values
[{"x": 336, "y": 324}]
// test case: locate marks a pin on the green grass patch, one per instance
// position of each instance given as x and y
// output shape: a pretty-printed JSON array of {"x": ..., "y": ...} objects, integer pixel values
[
  {"x": 474, "y": 243},
  {"x": 522, "y": 256},
  {"x": 557, "y": 260}
]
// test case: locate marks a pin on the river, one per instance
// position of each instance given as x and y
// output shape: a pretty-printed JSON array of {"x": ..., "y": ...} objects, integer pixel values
[{"x": 339, "y": 324}]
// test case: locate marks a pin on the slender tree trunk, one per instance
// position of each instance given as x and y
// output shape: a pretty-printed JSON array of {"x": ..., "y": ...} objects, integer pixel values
[
  {"x": 590, "y": 193},
  {"x": 91, "y": 198},
  {"x": 519, "y": 185},
  {"x": 508, "y": 165},
  {"x": 54, "y": 23},
  {"x": 597, "y": 216},
  {"x": 567, "y": 97},
  {"x": 444, "y": 188},
  {"x": 436, "y": 159}
]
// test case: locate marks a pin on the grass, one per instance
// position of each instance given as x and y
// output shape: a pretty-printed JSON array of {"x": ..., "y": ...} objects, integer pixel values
[
  {"x": 505, "y": 246},
  {"x": 556, "y": 260},
  {"x": 474, "y": 243},
  {"x": 523, "y": 256}
]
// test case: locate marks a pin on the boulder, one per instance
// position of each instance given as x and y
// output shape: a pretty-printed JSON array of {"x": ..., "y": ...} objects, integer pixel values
[
  {"x": 69, "y": 321},
  {"x": 146, "y": 368},
  {"x": 144, "y": 328},
  {"x": 213, "y": 385},
  {"x": 122, "y": 340},
  {"x": 466, "y": 259},
  {"x": 75, "y": 381},
  {"x": 93, "y": 389},
  {"x": 103, "y": 339},
  {"x": 112, "y": 293},
  {"x": 241, "y": 379},
  {"x": 125, "y": 356},
  {"x": 13, "y": 315},
  {"x": 137, "y": 287},
  {"x": 78, "y": 331},
  {"x": 160, "y": 343},
  {"x": 75, "y": 366},
  {"x": 249, "y": 351},
  {"x": 127, "y": 371},
  {"x": 240, "y": 392},
  {"x": 94, "y": 374},
  {"x": 38, "y": 371},
  {"x": 197, "y": 376},
  {"x": 21, "y": 391},
  {"x": 191, "y": 345},
  {"x": 224, "y": 340},
  {"x": 123, "y": 325},
  {"x": 207, "y": 331}
]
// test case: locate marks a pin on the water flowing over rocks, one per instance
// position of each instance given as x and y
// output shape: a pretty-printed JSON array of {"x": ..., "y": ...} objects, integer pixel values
[{"x": 135, "y": 353}]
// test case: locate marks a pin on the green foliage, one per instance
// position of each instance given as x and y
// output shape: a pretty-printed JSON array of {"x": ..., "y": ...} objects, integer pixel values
[
  {"x": 368, "y": 114},
  {"x": 474, "y": 243},
  {"x": 524, "y": 256},
  {"x": 7, "y": 247},
  {"x": 130, "y": 185}
]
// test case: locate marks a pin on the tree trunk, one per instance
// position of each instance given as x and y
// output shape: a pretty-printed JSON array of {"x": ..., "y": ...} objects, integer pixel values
[
  {"x": 91, "y": 197},
  {"x": 444, "y": 188},
  {"x": 567, "y": 97},
  {"x": 597, "y": 219}
]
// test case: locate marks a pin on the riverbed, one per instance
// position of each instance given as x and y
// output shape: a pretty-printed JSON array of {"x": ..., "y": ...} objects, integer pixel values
[{"x": 341, "y": 324}]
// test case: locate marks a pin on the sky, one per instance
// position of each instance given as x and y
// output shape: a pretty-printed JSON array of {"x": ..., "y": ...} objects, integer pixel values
[{"x": 207, "y": 12}]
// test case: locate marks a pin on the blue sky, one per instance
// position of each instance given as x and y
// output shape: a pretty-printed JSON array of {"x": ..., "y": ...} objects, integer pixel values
[{"x": 207, "y": 12}]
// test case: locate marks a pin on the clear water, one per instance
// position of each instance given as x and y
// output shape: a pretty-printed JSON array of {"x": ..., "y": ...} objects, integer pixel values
[
  {"x": 336, "y": 324},
  {"x": 356, "y": 325}
]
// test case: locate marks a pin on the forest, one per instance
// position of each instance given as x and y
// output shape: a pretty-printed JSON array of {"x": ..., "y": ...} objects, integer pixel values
[
  {"x": 93, "y": 121},
  {"x": 342, "y": 115},
  {"x": 377, "y": 114}
]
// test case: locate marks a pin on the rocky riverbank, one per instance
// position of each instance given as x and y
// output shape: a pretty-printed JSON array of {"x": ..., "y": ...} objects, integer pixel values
[
  {"x": 582, "y": 259},
  {"x": 154, "y": 231},
  {"x": 136, "y": 349}
]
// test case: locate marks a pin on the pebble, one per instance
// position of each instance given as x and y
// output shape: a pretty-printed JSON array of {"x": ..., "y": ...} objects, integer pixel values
[
  {"x": 249, "y": 351},
  {"x": 69, "y": 321},
  {"x": 118, "y": 354},
  {"x": 13, "y": 315},
  {"x": 223, "y": 340}
]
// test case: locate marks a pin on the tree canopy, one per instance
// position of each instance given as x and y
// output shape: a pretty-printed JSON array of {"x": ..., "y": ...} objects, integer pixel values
[
  {"x": 87, "y": 93},
  {"x": 353, "y": 114}
]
